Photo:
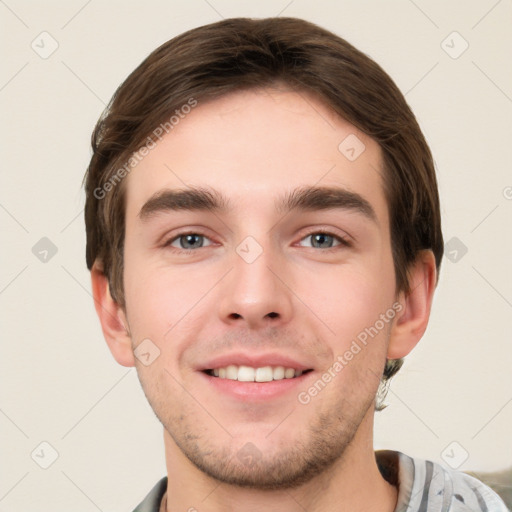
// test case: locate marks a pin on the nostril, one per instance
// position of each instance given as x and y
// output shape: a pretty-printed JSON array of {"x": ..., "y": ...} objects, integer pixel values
[{"x": 273, "y": 315}]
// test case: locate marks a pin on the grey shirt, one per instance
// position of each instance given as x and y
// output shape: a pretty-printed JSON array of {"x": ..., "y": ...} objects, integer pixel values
[{"x": 423, "y": 486}]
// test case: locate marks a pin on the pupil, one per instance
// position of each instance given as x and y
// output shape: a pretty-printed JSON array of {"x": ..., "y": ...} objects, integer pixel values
[
  {"x": 322, "y": 238},
  {"x": 191, "y": 241}
]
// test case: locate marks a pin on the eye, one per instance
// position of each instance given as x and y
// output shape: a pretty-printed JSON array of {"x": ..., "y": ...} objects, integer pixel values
[
  {"x": 188, "y": 241},
  {"x": 324, "y": 240}
]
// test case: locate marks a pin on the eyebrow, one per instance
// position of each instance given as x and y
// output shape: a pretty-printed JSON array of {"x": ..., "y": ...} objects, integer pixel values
[
  {"x": 326, "y": 198},
  {"x": 302, "y": 198},
  {"x": 193, "y": 198}
]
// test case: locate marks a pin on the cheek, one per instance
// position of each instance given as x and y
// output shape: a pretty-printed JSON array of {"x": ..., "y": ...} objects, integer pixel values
[
  {"x": 348, "y": 300},
  {"x": 150, "y": 302},
  {"x": 166, "y": 305},
  {"x": 356, "y": 307}
]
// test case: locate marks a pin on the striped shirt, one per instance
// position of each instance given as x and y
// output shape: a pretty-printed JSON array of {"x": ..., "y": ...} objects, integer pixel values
[{"x": 423, "y": 486}]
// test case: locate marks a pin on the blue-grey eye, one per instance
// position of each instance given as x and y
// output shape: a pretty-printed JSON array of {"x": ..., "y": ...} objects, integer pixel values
[
  {"x": 189, "y": 241},
  {"x": 321, "y": 240}
]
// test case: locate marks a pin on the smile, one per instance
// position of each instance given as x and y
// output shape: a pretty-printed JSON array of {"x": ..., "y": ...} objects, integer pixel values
[{"x": 249, "y": 374}]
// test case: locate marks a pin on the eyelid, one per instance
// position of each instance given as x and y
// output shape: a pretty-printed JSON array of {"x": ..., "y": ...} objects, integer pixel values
[
  {"x": 176, "y": 236},
  {"x": 345, "y": 239}
]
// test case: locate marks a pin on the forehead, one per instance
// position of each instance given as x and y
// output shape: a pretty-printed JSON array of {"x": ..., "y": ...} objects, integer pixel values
[{"x": 254, "y": 146}]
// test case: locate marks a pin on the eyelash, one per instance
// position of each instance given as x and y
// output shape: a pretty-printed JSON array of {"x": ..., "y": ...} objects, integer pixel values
[
  {"x": 343, "y": 241},
  {"x": 179, "y": 250}
]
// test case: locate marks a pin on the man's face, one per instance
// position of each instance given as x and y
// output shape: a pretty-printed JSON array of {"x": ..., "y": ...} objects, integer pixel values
[{"x": 258, "y": 284}]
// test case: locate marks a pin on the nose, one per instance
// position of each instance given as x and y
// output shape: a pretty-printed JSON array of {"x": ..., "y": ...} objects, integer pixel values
[{"x": 255, "y": 293}]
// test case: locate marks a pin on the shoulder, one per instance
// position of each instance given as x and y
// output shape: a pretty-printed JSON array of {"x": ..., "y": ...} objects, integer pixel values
[
  {"x": 428, "y": 486},
  {"x": 151, "y": 503}
]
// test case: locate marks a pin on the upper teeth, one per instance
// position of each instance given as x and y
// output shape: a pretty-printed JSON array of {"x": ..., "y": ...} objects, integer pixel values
[{"x": 249, "y": 374}]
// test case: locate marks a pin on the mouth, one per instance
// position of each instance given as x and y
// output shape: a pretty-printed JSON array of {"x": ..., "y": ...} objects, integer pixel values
[
  {"x": 257, "y": 385},
  {"x": 244, "y": 373},
  {"x": 255, "y": 378}
]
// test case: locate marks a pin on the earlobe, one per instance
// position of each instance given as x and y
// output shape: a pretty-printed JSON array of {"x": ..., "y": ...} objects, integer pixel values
[
  {"x": 410, "y": 325},
  {"x": 114, "y": 323}
]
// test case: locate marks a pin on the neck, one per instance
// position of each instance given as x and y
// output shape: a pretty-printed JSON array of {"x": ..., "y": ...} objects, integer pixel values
[{"x": 352, "y": 483}]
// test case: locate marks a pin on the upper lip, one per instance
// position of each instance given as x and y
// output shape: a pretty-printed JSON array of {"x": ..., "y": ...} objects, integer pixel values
[{"x": 254, "y": 360}]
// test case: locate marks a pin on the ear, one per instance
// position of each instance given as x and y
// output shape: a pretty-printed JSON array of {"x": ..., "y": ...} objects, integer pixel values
[
  {"x": 411, "y": 323},
  {"x": 112, "y": 317}
]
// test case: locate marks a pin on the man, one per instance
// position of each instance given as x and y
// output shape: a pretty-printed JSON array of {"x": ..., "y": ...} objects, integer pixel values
[{"x": 264, "y": 240}]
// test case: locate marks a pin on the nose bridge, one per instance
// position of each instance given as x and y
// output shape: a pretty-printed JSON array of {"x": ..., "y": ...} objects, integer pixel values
[{"x": 255, "y": 293}]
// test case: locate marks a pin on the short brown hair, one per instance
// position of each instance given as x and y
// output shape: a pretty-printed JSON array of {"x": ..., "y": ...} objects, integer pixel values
[{"x": 242, "y": 53}]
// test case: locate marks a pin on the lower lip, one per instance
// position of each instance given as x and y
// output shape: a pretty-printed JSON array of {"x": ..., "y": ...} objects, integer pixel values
[{"x": 256, "y": 391}]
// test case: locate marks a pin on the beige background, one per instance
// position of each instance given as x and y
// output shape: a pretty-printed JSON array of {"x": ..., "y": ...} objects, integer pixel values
[{"x": 60, "y": 385}]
